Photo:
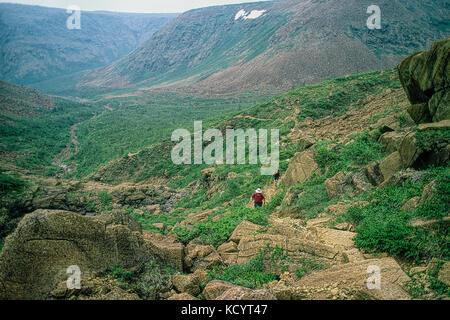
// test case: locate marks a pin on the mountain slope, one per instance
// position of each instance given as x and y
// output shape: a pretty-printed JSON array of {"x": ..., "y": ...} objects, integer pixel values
[
  {"x": 20, "y": 100},
  {"x": 217, "y": 50},
  {"x": 35, "y": 44},
  {"x": 36, "y": 127}
]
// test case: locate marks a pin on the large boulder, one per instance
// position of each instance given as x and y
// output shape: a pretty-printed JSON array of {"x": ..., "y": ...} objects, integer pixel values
[
  {"x": 391, "y": 141},
  {"x": 168, "y": 249},
  {"x": 301, "y": 167},
  {"x": 251, "y": 245},
  {"x": 420, "y": 113},
  {"x": 229, "y": 252},
  {"x": 335, "y": 185},
  {"x": 46, "y": 242},
  {"x": 201, "y": 257},
  {"x": 425, "y": 78},
  {"x": 191, "y": 283},
  {"x": 439, "y": 105},
  {"x": 245, "y": 228},
  {"x": 346, "y": 281},
  {"x": 390, "y": 165}
]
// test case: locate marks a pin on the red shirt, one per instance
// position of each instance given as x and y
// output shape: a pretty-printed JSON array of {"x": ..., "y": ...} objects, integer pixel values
[{"x": 259, "y": 197}]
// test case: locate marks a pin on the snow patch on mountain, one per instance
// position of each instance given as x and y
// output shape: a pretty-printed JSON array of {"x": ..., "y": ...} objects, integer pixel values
[{"x": 254, "y": 14}]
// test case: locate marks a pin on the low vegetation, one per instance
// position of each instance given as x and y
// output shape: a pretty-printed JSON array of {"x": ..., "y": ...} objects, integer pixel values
[
  {"x": 146, "y": 280},
  {"x": 35, "y": 140},
  {"x": 11, "y": 190},
  {"x": 383, "y": 226},
  {"x": 258, "y": 271},
  {"x": 333, "y": 157}
]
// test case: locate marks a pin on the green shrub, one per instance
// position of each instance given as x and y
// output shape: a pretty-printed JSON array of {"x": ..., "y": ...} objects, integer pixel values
[
  {"x": 307, "y": 266},
  {"x": 439, "y": 204},
  {"x": 105, "y": 200},
  {"x": 427, "y": 140},
  {"x": 10, "y": 184},
  {"x": 383, "y": 226},
  {"x": 255, "y": 273},
  {"x": 363, "y": 150},
  {"x": 147, "y": 279},
  {"x": 440, "y": 288},
  {"x": 120, "y": 274}
]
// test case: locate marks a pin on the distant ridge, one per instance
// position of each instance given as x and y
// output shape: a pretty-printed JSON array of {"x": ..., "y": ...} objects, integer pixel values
[
  {"x": 234, "y": 48},
  {"x": 36, "y": 45}
]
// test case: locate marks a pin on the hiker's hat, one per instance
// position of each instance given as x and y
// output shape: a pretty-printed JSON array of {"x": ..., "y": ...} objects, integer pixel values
[{"x": 258, "y": 190}]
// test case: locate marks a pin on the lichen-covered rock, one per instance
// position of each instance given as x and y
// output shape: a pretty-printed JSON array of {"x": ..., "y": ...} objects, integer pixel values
[
  {"x": 304, "y": 142},
  {"x": 182, "y": 296},
  {"x": 409, "y": 150},
  {"x": 439, "y": 105},
  {"x": 242, "y": 293},
  {"x": 168, "y": 249},
  {"x": 245, "y": 228},
  {"x": 335, "y": 185},
  {"x": 215, "y": 288},
  {"x": 46, "y": 242},
  {"x": 419, "y": 113},
  {"x": 373, "y": 174},
  {"x": 190, "y": 283},
  {"x": 346, "y": 281},
  {"x": 425, "y": 78},
  {"x": 391, "y": 141},
  {"x": 301, "y": 167},
  {"x": 229, "y": 252},
  {"x": 201, "y": 257},
  {"x": 444, "y": 124},
  {"x": 390, "y": 165},
  {"x": 426, "y": 72}
]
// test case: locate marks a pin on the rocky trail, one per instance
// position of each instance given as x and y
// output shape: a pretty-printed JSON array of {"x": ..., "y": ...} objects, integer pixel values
[
  {"x": 65, "y": 154},
  {"x": 71, "y": 149}
]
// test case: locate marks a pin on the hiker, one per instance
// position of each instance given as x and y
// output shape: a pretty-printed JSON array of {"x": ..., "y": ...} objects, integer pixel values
[
  {"x": 276, "y": 176},
  {"x": 259, "y": 198}
]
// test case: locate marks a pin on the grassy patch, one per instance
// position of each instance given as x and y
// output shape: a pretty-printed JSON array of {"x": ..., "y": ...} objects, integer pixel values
[
  {"x": 427, "y": 140},
  {"x": 363, "y": 150},
  {"x": 218, "y": 232},
  {"x": 105, "y": 200},
  {"x": 258, "y": 271},
  {"x": 11, "y": 184},
  {"x": 307, "y": 266},
  {"x": 147, "y": 280},
  {"x": 168, "y": 219}
]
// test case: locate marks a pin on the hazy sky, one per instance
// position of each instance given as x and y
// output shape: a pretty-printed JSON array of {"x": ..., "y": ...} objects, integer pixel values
[{"x": 143, "y": 6}]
